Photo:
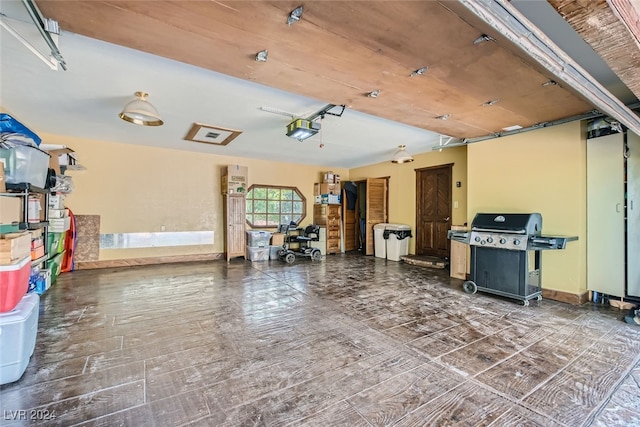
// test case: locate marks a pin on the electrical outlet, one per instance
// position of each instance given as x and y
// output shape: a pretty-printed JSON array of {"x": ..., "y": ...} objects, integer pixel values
[{"x": 455, "y": 204}]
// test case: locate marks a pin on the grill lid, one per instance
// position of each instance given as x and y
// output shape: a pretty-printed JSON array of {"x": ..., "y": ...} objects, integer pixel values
[{"x": 521, "y": 223}]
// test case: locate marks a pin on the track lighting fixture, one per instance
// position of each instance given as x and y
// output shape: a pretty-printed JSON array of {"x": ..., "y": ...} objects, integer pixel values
[
  {"x": 483, "y": 38},
  {"x": 262, "y": 56},
  {"x": 295, "y": 15}
]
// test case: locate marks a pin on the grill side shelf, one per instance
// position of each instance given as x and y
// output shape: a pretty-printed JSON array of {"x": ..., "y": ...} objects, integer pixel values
[{"x": 550, "y": 242}]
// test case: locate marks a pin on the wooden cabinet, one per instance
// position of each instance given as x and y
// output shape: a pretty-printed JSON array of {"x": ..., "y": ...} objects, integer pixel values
[
  {"x": 328, "y": 216},
  {"x": 633, "y": 214},
  {"x": 458, "y": 259},
  {"x": 605, "y": 215},
  {"x": 234, "y": 225}
]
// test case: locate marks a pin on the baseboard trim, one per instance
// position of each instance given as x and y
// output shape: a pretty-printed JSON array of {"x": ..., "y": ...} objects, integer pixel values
[
  {"x": 89, "y": 265},
  {"x": 566, "y": 297}
]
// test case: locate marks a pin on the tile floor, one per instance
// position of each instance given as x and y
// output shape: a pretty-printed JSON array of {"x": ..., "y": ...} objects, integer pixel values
[{"x": 348, "y": 341}]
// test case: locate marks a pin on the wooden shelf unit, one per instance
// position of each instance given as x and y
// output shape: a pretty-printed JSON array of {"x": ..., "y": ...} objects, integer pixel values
[{"x": 328, "y": 216}]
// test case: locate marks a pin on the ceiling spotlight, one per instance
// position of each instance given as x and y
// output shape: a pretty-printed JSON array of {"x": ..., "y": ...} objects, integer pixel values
[
  {"x": 141, "y": 112},
  {"x": 419, "y": 71},
  {"x": 483, "y": 38},
  {"x": 262, "y": 56},
  {"x": 401, "y": 156},
  {"x": 490, "y": 103},
  {"x": 550, "y": 83},
  {"x": 374, "y": 94},
  {"x": 443, "y": 117},
  {"x": 295, "y": 15}
]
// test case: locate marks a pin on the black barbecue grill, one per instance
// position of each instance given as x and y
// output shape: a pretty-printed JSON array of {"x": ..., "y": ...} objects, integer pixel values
[{"x": 502, "y": 248}]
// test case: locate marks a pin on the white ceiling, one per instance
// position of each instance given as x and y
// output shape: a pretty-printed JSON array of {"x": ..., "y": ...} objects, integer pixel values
[{"x": 85, "y": 100}]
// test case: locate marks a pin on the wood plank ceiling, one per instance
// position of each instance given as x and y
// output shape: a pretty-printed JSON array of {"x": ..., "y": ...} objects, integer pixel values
[
  {"x": 612, "y": 30},
  {"x": 342, "y": 50}
]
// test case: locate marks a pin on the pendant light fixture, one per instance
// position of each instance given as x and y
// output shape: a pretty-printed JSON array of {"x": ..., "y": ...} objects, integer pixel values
[
  {"x": 141, "y": 112},
  {"x": 401, "y": 156}
]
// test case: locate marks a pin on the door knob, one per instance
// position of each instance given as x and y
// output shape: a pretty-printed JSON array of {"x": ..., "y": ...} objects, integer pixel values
[{"x": 447, "y": 219}]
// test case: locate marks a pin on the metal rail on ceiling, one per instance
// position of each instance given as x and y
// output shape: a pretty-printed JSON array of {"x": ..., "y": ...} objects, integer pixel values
[{"x": 509, "y": 22}]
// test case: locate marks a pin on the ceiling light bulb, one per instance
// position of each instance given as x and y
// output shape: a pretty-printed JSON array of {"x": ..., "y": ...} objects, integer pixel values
[
  {"x": 295, "y": 15},
  {"x": 262, "y": 56},
  {"x": 419, "y": 71},
  {"x": 374, "y": 94},
  {"x": 141, "y": 112}
]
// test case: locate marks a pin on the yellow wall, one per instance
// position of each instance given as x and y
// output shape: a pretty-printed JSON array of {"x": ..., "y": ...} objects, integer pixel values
[
  {"x": 141, "y": 189},
  {"x": 540, "y": 171},
  {"x": 402, "y": 184}
]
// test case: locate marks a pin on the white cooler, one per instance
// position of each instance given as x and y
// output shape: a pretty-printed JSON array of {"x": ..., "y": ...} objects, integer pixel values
[
  {"x": 397, "y": 241},
  {"x": 18, "y": 331},
  {"x": 380, "y": 244}
]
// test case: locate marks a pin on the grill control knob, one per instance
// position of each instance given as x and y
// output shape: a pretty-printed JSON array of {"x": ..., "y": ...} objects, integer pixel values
[
  {"x": 489, "y": 239},
  {"x": 503, "y": 241},
  {"x": 478, "y": 238},
  {"x": 516, "y": 242}
]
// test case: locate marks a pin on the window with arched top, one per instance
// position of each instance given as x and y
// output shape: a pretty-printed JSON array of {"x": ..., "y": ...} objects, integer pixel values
[{"x": 269, "y": 206}]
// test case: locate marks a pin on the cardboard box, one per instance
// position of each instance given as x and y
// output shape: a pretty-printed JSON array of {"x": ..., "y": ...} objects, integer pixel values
[
  {"x": 234, "y": 179},
  {"x": 58, "y": 213},
  {"x": 14, "y": 246},
  {"x": 328, "y": 177},
  {"x": 37, "y": 252},
  {"x": 325, "y": 188},
  {"x": 59, "y": 225},
  {"x": 10, "y": 209},
  {"x": 36, "y": 234},
  {"x": 59, "y": 157},
  {"x": 56, "y": 201},
  {"x": 328, "y": 199},
  {"x": 277, "y": 239}
]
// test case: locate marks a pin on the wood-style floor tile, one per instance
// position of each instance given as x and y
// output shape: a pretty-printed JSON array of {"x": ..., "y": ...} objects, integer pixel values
[
  {"x": 467, "y": 405},
  {"x": 348, "y": 341},
  {"x": 389, "y": 401}
]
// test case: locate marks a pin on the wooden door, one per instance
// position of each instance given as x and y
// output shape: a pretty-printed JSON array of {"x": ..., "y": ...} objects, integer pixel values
[
  {"x": 376, "y": 209},
  {"x": 605, "y": 214},
  {"x": 235, "y": 219},
  {"x": 349, "y": 224},
  {"x": 433, "y": 210}
]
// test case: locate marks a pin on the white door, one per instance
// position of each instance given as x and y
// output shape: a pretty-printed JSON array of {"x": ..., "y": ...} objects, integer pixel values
[{"x": 605, "y": 215}]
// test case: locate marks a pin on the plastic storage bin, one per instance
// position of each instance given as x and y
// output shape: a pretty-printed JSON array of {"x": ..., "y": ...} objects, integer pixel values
[
  {"x": 14, "y": 283},
  {"x": 55, "y": 242},
  {"x": 379, "y": 242},
  {"x": 18, "y": 331},
  {"x": 25, "y": 164},
  {"x": 274, "y": 251},
  {"x": 397, "y": 237},
  {"x": 259, "y": 239},
  {"x": 255, "y": 253}
]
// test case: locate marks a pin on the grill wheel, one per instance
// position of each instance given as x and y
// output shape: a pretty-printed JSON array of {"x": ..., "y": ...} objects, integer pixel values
[{"x": 470, "y": 287}]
